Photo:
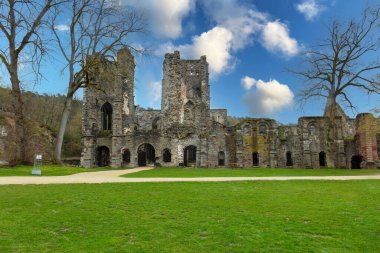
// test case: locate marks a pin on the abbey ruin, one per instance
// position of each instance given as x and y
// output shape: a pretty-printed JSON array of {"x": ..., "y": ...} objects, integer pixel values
[{"x": 187, "y": 132}]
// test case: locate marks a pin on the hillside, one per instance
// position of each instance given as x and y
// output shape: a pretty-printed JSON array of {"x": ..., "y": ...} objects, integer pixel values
[{"x": 45, "y": 110}]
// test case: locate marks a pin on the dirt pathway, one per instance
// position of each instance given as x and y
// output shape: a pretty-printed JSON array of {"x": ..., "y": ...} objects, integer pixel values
[{"x": 113, "y": 176}]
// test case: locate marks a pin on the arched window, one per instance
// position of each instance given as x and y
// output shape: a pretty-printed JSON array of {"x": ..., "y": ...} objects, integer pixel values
[
  {"x": 221, "y": 158},
  {"x": 126, "y": 156},
  {"x": 107, "y": 116},
  {"x": 312, "y": 130},
  {"x": 155, "y": 123},
  {"x": 322, "y": 159},
  {"x": 263, "y": 129},
  {"x": 289, "y": 159},
  {"x": 255, "y": 159},
  {"x": 246, "y": 129},
  {"x": 167, "y": 155}
]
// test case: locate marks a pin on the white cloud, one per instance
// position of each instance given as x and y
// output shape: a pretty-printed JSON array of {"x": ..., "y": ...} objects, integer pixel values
[
  {"x": 215, "y": 44},
  {"x": 166, "y": 16},
  {"x": 236, "y": 27},
  {"x": 309, "y": 8},
  {"x": 267, "y": 97},
  {"x": 62, "y": 28},
  {"x": 247, "y": 82},
  {"x": 276, "y": 38},
  {"x": 154, "y": 92}
]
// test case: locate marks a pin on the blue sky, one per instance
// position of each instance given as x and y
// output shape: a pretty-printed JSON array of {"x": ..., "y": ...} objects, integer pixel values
[{"x": 249, "y": 46}]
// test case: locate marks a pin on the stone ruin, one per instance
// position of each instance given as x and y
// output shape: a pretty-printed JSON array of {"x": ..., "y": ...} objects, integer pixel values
[{"x": 186, "y": 132}]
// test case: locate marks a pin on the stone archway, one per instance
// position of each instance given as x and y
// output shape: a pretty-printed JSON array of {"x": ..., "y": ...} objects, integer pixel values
[
  {"x": 190, "y": 155},
  {"x": 146, "y": 154},
  {"x": 221, "y": 158},
  {"x": 103, "y": 156},
  {"x": 356, "y": 161}
]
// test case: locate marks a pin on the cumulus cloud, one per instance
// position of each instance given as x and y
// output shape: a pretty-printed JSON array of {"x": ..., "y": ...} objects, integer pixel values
[
  {"x": 266, "y": 98},
  {"x": 309, "y": 8},
  {"x": 62, "y": 28},
  {"x": 154, "y": 92},
  {"x": 236, "y": 27},
  {"x": 276, "y": 38},
  {"x": 248, "y": 82},
  {"x": 215, "y": 44},
  {"x": 166, "y": 15}
]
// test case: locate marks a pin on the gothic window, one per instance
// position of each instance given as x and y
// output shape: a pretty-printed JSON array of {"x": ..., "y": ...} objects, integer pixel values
[
  {"x": 246, "y": 129},
  {"x": 126, "y": 156},
  {"x": 106, "y": 116},
  {"x": 167, "y": 156},
  {"x": 263, "y": 129},
  {"x": 312, "y": 130}
]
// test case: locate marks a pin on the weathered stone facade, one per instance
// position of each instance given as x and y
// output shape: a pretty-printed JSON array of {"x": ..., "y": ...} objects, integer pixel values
[{"x": 187, "y": 132}]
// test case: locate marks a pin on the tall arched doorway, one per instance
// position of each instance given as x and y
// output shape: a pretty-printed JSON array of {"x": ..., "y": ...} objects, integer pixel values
[
  {"x": 356, "y": 161},
  {"x": 190, "y": 155},
  {"x": 221, "y": 158},
  {"x": 255, "y": 159},
  {"x": 146, "y": 154},
  {"x": 103, "y": 156},
  {"x": 322, "y": 159},
  {"x": 289, "y": 159}
]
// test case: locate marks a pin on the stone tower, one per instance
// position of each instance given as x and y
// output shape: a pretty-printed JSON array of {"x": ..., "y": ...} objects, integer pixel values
[
  {"x": 108, "y": 110},
  {"x": 185, "y": 92}
]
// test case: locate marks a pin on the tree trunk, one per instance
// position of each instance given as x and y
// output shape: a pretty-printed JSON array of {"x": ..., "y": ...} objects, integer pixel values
[
  {"x": 331, "y": 113},
  {"x": 62, "y": 128},
  {"x": 18, "y": 110}
]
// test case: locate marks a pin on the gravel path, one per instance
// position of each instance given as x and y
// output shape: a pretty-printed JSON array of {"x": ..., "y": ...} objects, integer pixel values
[{"x": 113, "y": 176}]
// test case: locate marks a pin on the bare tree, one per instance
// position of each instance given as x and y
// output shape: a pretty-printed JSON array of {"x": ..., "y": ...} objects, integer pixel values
[
  {"x": 97, "y": 29},
  {"x": 340, "y": 63},
  {"x": 21, "y": 23}
]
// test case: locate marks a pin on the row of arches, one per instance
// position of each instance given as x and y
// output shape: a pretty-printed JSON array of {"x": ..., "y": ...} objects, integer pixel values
[
  {"x": 146, "y": 154},
  {"x": 289, "y": 159}
]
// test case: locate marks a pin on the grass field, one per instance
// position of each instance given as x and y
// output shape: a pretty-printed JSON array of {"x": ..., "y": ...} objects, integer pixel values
[
  {"x": 289, "y": 216},
  {"x": 252, "y": 172},
  {"x": 47, "y": 170}
]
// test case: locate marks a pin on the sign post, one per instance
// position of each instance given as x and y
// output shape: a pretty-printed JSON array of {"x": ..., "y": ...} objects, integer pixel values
[{"x": 37, "y": 165}]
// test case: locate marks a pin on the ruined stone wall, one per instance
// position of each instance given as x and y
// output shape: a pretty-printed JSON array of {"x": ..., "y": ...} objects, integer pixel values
[
  {"x": 148, "y": 119},
  {"x": 366, "y": 138},
  {"x": 256, "y": 136},
  {"x": 185, "y": 92},
  {"x": 219, "y": 115},
  {"x": 114, "y": 85}
]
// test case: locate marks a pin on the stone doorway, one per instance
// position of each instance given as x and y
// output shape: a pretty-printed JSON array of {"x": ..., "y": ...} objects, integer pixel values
[
  {"x": 190, "y": 156},
  {"x": 103, "y": 156},
  {"x": 356, "y": 161},
  {"x": 146, "y": 154},
  {"x": 322, "y": 159},
  {"x": 221, "y": 158},
  {"x": 255, "y": 159},
  {"x": 289, "y": 159}
]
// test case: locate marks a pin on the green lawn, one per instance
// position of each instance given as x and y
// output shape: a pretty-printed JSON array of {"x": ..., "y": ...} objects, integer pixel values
[
  {"x": 289, "y": 216},
  {"x": 47, "y": 170},
  {"x": 252, "y": 172}
]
